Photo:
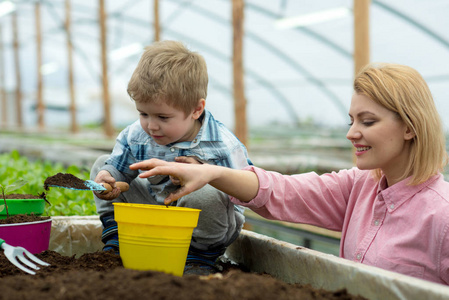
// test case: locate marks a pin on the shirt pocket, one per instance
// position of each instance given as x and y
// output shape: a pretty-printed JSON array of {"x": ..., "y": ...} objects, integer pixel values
[
  {"x": 212, "y": 154},
  {"x": 406, "y": 269}
]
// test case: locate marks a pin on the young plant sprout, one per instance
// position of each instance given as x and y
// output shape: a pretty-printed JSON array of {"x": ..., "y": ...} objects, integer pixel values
[{"x": 9, "y": 188}]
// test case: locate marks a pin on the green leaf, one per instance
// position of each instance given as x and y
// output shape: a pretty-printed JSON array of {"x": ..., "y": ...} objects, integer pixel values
[
  {"x": 15, "y": 155},
  {"x": 16, "y": 185},
  {"x": 73, "y": 169}
]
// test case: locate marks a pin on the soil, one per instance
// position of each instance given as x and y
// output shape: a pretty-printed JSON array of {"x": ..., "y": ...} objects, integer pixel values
[
  {"x": 22, "y": 218},
  {"x": 101, "y": 275},
  {"x": 22, "y": 196},
  {"x": 65, "y": 180}
]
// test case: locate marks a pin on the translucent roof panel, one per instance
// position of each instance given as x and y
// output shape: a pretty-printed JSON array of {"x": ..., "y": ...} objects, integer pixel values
[{"x": 298, "y": 74}]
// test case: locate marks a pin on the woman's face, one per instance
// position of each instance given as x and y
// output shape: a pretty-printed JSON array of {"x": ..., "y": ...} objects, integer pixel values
[{"x": 381, "y": 138}]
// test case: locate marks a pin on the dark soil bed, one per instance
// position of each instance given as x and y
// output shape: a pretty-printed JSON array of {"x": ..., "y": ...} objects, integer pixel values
[{"x": 101, "y": 275}]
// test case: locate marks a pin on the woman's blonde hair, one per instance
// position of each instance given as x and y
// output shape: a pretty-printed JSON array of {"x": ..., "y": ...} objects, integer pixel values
[
  {"x": 168, "y": 71},
  {"x": 401, "y": 89}
]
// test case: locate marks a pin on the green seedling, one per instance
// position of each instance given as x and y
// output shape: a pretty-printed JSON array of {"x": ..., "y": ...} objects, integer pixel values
[{"x": 9, "y": 188}]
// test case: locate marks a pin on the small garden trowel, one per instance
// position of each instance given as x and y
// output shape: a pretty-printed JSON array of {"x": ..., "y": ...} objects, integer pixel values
[
  {"x": 69, "y": 181},
  {"x": 97, "y": 187},
  {"x": 104, "y": 187}
]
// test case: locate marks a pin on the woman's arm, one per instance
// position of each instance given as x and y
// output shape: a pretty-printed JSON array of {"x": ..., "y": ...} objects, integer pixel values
[{"x": 240, "y": 184}]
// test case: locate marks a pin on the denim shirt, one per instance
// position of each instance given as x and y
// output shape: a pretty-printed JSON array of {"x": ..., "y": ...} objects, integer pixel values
[{"x": 214, "y": 144}]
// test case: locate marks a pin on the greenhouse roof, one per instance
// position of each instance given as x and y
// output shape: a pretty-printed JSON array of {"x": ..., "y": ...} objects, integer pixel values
[{"x": 301, "y": 73}]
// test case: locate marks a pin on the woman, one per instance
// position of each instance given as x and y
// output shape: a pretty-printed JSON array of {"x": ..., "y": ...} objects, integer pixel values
[{"x": 392, "y": 209}]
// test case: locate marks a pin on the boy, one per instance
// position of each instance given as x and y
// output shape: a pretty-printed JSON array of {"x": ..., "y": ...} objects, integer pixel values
[{"x": 169, "y": 87}]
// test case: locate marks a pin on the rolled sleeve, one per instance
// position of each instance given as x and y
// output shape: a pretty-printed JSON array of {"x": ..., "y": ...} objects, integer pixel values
[{"x": 304, "y": 198}]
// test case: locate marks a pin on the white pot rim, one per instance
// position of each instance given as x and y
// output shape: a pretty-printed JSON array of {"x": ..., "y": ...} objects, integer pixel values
[{"x": 26, "y": 223}]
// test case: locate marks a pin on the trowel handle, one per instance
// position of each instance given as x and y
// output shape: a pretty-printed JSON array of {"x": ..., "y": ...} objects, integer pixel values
[{"x": 123, "y": 186}]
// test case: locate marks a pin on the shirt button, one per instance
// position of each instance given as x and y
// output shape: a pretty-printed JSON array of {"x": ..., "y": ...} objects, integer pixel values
[
  {"x": 172, "y": 149},
  {"x": 392, "y": 206},
  {"x": 376, "y": 222},
  {"x": 194, "y": 141},
  {"x": 359, "y": 256}
]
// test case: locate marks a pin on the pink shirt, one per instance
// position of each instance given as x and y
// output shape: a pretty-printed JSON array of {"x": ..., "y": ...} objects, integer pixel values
[{"x": 400, "y": 228}]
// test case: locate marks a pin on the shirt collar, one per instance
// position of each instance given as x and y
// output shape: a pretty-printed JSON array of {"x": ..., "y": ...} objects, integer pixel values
[
  {"x": 209, "y": 132},
  {"x": 399, "y": 193}
]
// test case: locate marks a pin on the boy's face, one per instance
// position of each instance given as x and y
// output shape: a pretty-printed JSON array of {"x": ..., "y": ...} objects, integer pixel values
[{"x": 166, "y": 124}]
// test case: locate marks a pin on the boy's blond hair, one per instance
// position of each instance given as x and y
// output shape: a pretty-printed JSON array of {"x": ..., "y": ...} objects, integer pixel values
[
  {"x": 168, "y": 71},
  {"x": 402, "y": 90}
]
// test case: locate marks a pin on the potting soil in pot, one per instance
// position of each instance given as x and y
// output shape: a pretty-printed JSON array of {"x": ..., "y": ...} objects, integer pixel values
[
  {"x": 22, "y": 219},
  {"x": 100, "y": 275},
  {"x": 22, "y": 196},
  {"x": 28, "y": 231}
]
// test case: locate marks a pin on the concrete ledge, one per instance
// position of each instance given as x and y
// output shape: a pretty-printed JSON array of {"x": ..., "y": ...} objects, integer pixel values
[{"x": 294, "y": 264}]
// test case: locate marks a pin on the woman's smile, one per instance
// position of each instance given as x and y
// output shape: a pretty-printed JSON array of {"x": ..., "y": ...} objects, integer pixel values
[{"x": 361, "y": 149}]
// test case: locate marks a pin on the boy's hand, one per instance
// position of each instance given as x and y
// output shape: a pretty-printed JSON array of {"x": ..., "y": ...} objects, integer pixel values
[{"x": 105, "y": 177}]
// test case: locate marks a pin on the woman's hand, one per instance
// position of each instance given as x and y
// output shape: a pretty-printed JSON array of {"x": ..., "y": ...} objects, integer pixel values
[
  {"x": 241, "y": 184},
  {"x": 190, "y": 176},
  {"x": 186, "y": 160}
]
